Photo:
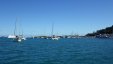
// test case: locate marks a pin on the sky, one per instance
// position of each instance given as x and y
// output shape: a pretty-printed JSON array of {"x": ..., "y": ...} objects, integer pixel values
[{"x": 69, "y": 16}]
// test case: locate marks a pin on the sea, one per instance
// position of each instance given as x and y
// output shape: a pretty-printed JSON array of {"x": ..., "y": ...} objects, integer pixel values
[{"x": 62, "y": 51}]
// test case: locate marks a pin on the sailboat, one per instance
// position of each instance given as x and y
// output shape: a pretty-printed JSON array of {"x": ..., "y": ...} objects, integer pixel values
[
  {"x": 18, "y": 37},
  {"x": 14, "y": 35},
  {"x": 53, "y": 37}
]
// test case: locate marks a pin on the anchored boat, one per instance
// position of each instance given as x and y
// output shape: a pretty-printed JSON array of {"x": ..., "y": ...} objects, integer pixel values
[
  {"x": 18, "y": 34},
  {"x": 53, "y": 37}
]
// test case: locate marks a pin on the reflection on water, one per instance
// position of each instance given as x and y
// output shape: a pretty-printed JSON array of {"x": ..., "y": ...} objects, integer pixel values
[{"x": 63, "y": 51}]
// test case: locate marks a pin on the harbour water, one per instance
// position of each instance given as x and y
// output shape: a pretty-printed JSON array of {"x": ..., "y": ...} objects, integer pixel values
[{"x": 62, "y": 51}]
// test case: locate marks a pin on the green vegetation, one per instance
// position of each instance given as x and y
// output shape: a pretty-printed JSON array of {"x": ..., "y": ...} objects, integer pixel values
[{"x": 108, "y": 30}]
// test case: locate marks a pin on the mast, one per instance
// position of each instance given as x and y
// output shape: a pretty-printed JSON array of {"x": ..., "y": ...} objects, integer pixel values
[
  {"x": 20, "y": 29},
  {"x": 15, "y": 29},
  {"x": 52, "y": 29}
]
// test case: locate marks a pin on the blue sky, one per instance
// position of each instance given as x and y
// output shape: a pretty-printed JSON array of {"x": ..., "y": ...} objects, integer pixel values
[{"x": 69, "y": 16}]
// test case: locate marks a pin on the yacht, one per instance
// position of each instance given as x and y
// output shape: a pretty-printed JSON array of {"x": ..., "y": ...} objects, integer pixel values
[
  {"x": 53, "y": 37},
  {"x": 18, "y": 37}
]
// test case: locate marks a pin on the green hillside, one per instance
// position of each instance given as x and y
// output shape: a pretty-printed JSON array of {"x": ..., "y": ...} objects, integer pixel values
[{"x": 108, "y": 30}]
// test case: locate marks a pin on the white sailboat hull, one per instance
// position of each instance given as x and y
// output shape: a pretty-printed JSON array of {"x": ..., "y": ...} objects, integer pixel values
[
  {"x": 23, "y": 38},
  {"x": 11, "y": 36},
  {"x": 19, "y": 40},
  {"x": 55, "y": 38}
]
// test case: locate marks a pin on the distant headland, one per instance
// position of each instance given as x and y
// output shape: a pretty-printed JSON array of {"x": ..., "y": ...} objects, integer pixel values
[{"x": 108, "y": 31}]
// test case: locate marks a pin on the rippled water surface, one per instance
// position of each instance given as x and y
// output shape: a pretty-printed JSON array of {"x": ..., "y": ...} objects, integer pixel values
[{"x": 63, "y": 51}]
